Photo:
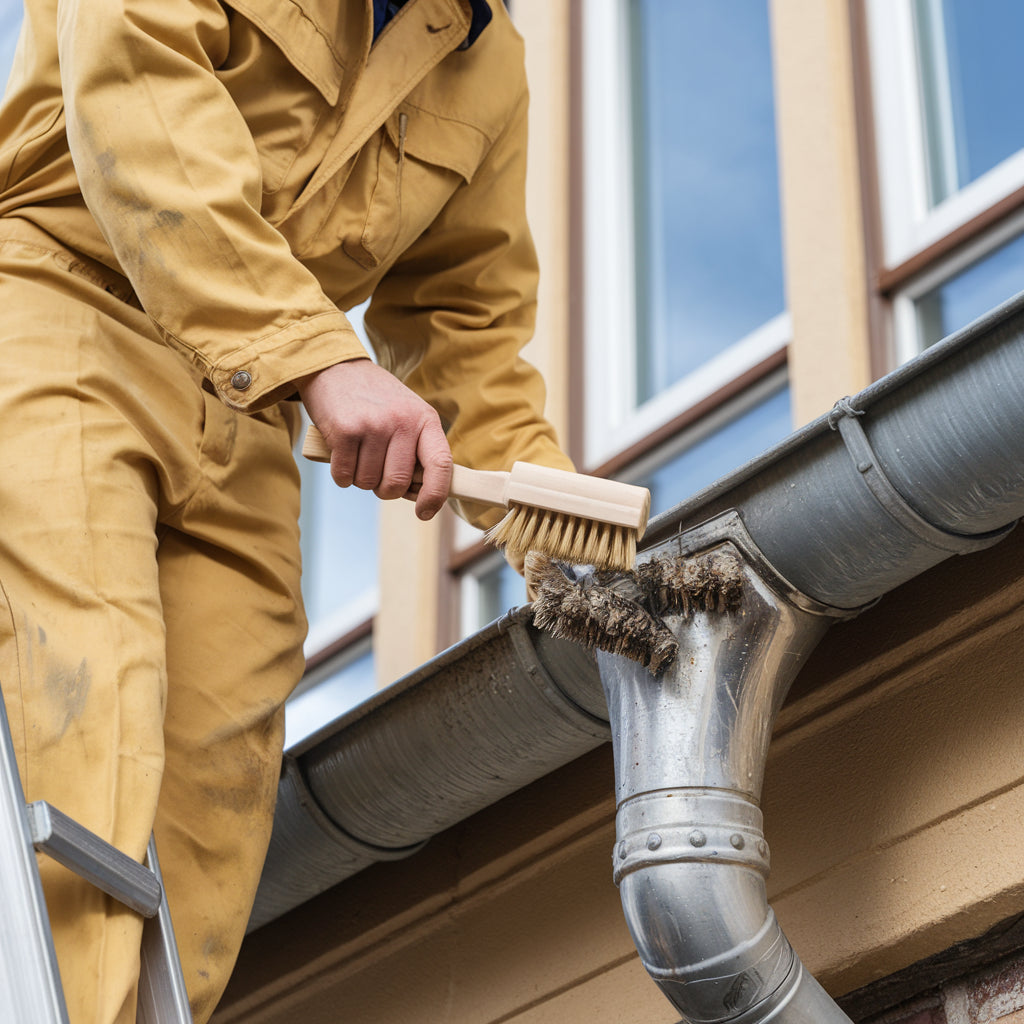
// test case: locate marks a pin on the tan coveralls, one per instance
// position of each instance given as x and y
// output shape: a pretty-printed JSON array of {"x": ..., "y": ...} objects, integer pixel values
[{"x": 190, "y": 191}]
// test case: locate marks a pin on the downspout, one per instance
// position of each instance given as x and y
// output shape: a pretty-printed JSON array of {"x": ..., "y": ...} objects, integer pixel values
[
  {"x": 690, "y": 858},
  {"x": 916, "y": 468}
]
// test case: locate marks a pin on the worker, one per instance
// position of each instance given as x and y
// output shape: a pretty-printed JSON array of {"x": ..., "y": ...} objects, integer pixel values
[{"x": 191, "y": 194}]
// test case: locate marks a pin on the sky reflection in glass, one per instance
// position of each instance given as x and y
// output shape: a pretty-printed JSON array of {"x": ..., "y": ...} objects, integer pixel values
[
  {"x": 974, "y": 291},
  {"x": 728, "y": 448},
  {"x": 339, "y": 541},
  {"x": 972, "y": 90},
  {"x": 308, "y": 711},
  {"x": 709, "y": 250},
  {"x": 10, "y": 24}
]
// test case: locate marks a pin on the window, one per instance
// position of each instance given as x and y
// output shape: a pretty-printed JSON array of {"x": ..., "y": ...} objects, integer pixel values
[
  {"x": 329, "y": 690},
  {"x": 961, "y": 290},
  {"x": 339, "y": 589},
  {"x": 739, "y": 432},
  {"x": 734, "y": 434},
  {"x": 10, "y": 25},
  {"x": 946, "y": 77},
  {"x": 339, "y": 555},
  {"x": 683, "y": 251},
  {"x": 489, "y": 589}
]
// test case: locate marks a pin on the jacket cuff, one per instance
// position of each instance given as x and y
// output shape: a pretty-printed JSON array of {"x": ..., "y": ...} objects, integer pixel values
[{"x": 265, "y": 372}]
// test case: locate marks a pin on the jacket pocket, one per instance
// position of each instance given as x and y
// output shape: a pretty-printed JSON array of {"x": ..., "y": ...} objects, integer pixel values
[
  {"x": 401, "y": 180},
  {"x": 384, "y": 156}
]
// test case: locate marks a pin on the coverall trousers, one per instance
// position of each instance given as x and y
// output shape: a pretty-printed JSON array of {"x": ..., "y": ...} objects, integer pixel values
[{"x": 150, "y": 616}]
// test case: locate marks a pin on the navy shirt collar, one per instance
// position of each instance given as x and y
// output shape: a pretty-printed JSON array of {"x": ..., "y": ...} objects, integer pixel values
[{"x": 385, "y": 10}]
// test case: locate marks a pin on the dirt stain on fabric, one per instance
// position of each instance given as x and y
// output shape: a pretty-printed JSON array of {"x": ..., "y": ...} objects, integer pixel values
[{"x": 68, "y": 688}]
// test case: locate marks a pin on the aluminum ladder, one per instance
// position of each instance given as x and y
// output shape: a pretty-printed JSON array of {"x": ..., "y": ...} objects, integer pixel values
[{"x": 30, "y": 986}]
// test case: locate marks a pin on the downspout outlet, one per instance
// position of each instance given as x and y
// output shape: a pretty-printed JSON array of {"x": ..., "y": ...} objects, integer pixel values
[{"x": 690, "y": 746}]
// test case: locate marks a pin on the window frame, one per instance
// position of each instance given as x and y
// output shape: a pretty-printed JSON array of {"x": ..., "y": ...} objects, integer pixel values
[
  {"x": 612, "y": 421},
  {"x": 907, "y": 341},
  {"x": 909, "y": 225}
]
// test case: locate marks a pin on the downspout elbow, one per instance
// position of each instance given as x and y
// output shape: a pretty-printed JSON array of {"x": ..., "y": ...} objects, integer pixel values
[{"x": 691, "y": 866}]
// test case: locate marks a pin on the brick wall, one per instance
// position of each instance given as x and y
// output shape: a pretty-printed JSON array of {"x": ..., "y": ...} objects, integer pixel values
[{"x": 985, "y": 995}]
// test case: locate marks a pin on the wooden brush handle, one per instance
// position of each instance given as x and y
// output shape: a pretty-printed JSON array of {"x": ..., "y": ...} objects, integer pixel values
[
  {"x": 557, "y": 490},
  {"x": 486, "y": 486}
]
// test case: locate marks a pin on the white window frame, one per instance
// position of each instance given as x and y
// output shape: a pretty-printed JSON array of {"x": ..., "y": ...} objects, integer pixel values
[
  {"x": 908, "y": 225},
  {"x": 908, "y": 341},
  {"x": 470, "y": 590},
  {"x": 612, "y": 420}
]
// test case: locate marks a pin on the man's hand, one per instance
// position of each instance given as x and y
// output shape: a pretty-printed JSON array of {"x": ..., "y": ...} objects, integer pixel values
[{"x": 379, "y": 432}]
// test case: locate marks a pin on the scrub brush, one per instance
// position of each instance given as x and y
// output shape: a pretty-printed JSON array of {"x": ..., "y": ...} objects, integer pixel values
[{"x": 570, "y": 517}]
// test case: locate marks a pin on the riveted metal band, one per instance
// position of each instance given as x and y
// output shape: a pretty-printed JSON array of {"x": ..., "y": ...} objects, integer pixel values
[{"x": 673, "y": 826}]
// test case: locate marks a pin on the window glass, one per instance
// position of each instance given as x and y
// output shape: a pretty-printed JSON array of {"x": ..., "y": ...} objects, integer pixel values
[
  {"x": 499, "y": 589},
  {"x": 317, "y": 704},
  {"x": 339, "y": 545},
  {"x": 708, "y": 237},
  {"x": 971, "y": 79},
  {"x": 702, "y": 463},
  {"x": 10, "y": 25},
  {"x": 339, "y": 548},
  {"x": 974, "y": 291}
]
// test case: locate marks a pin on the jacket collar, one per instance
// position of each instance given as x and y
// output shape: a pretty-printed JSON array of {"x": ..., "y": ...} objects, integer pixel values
[{"x": 381, "y": 77}]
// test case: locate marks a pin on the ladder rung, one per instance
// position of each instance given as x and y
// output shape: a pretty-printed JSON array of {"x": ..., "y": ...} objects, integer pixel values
[{"x": 95, "y": 860}]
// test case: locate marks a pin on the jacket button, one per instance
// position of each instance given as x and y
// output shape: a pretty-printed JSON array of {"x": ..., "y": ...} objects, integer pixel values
[{"x": 241, "y": 379}]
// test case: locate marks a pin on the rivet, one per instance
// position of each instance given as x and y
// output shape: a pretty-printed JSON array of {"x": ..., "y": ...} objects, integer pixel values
[
  {"x": 863, "y": 467},
  {"x": 622, "y": 851},
  {"x": 653, "y": 841},
  {"x": 697, "y": 838},
  {"x": 241, "y": 379},
  {"x": 736, "y": 840}
]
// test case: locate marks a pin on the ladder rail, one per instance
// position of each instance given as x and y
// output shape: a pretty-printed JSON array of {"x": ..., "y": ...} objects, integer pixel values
[
  {"x": 163, "y": 998},
  {"x": 30, "y": 989},
  {"x": 30, "y": 986}
]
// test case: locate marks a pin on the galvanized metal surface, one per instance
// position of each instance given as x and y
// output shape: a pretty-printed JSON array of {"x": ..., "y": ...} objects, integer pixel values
[
  {"x": 690, "y": 856},
  {"x": 96, "y": 861},
  {"x": 477, "y": 723},
  {"x": 163, "y": 998}
]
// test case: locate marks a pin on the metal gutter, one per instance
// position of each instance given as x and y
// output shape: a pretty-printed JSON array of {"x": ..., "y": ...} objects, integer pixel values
[
  {"x": 478, "y": 722},
  {"x": 925, "y": 463}
]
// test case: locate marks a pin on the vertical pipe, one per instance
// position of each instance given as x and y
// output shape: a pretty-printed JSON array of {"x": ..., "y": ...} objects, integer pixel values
[{"x": 690, "y": 860}]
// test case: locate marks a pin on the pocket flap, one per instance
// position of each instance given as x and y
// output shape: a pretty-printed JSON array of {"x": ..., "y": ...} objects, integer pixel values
[{"x": 440, "y": 140}]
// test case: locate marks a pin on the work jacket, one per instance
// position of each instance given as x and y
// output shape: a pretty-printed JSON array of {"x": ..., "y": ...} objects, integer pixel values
[{"x": 253, "y": 168}]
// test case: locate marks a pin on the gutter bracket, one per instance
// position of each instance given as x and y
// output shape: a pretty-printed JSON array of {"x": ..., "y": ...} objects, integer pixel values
[{"x": 844, "y": 417}]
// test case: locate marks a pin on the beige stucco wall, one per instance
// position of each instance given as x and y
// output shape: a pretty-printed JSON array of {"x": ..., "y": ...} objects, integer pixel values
[{"x": 823, "y": 231}]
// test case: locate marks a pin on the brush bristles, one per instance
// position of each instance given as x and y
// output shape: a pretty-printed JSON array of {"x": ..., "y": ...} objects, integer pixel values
[{"x": 565, "y": 538}]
